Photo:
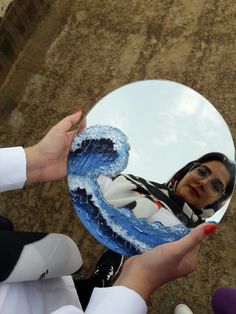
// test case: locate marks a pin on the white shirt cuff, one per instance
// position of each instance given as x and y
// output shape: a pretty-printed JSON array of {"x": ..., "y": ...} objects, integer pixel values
[
  {"x": 116, "y": 300},
  {"x": 68, "y": 309},
  {"x": 12, "y": 168}
]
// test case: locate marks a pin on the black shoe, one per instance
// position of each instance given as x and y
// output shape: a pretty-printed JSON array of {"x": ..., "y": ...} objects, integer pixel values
[
  {"x": 5, "y": 223},
  {"x": 108, "y": 267}
]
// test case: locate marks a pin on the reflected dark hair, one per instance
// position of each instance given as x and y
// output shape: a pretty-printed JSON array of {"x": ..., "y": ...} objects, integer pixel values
[{"x": 214, "y": 156}]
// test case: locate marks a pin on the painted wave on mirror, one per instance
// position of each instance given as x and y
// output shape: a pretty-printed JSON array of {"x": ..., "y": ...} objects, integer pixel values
[{"x": 104, "y": 150}]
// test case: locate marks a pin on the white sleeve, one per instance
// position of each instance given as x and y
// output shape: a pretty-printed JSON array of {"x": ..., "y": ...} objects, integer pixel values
[
  {"x": 113, "y": 300},
  {"x": 116, "y": 300},
  {"x": 68, "y": 309},
  {"x": 12, "y": 168}
]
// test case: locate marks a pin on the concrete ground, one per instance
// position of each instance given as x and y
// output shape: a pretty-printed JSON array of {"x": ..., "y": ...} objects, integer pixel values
[{"x": 82, "y": 50}]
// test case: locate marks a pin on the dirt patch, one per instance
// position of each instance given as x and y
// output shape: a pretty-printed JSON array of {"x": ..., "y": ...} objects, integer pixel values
[{"x": 80, "y": 52}]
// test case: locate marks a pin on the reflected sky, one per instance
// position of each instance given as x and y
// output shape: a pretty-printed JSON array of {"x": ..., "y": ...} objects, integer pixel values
[{"x": 167, "y": 124}]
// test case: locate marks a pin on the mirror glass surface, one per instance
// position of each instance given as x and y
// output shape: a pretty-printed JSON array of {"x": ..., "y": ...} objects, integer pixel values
[{"x": 167, "y": 124}]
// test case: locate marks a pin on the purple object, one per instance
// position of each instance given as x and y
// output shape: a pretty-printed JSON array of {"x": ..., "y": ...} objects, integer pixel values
[{"x": 224, "y": 301}]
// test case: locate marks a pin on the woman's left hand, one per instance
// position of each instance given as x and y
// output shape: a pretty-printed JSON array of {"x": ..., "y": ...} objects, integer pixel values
[{"x": 47, "y": 160}]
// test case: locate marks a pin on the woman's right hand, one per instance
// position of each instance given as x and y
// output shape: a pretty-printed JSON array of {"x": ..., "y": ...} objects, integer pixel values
[{"x": 146, "y": 272}]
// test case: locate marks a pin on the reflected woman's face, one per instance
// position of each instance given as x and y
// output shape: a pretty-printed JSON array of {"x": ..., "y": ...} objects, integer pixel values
[{"x": 204, "y": 184}]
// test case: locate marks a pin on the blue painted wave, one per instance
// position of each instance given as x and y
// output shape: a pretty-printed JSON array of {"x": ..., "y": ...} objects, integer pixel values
[{"x": 103, "y": 150}]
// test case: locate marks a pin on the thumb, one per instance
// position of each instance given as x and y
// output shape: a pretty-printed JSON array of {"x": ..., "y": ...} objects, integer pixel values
[
  {"x": 65, "y": 124},
  {"x": 195, "y": 237}
]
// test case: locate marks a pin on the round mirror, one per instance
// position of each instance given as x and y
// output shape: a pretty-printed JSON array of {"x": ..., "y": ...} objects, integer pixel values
[{"x": 169, "y": 127}]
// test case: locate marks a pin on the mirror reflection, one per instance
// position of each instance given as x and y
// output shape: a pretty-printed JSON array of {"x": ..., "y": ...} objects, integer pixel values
[
  {"x": 193, "y": 194},
  {"x": 168, "y": 126},
  {"x": 180, "y": 169}
]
